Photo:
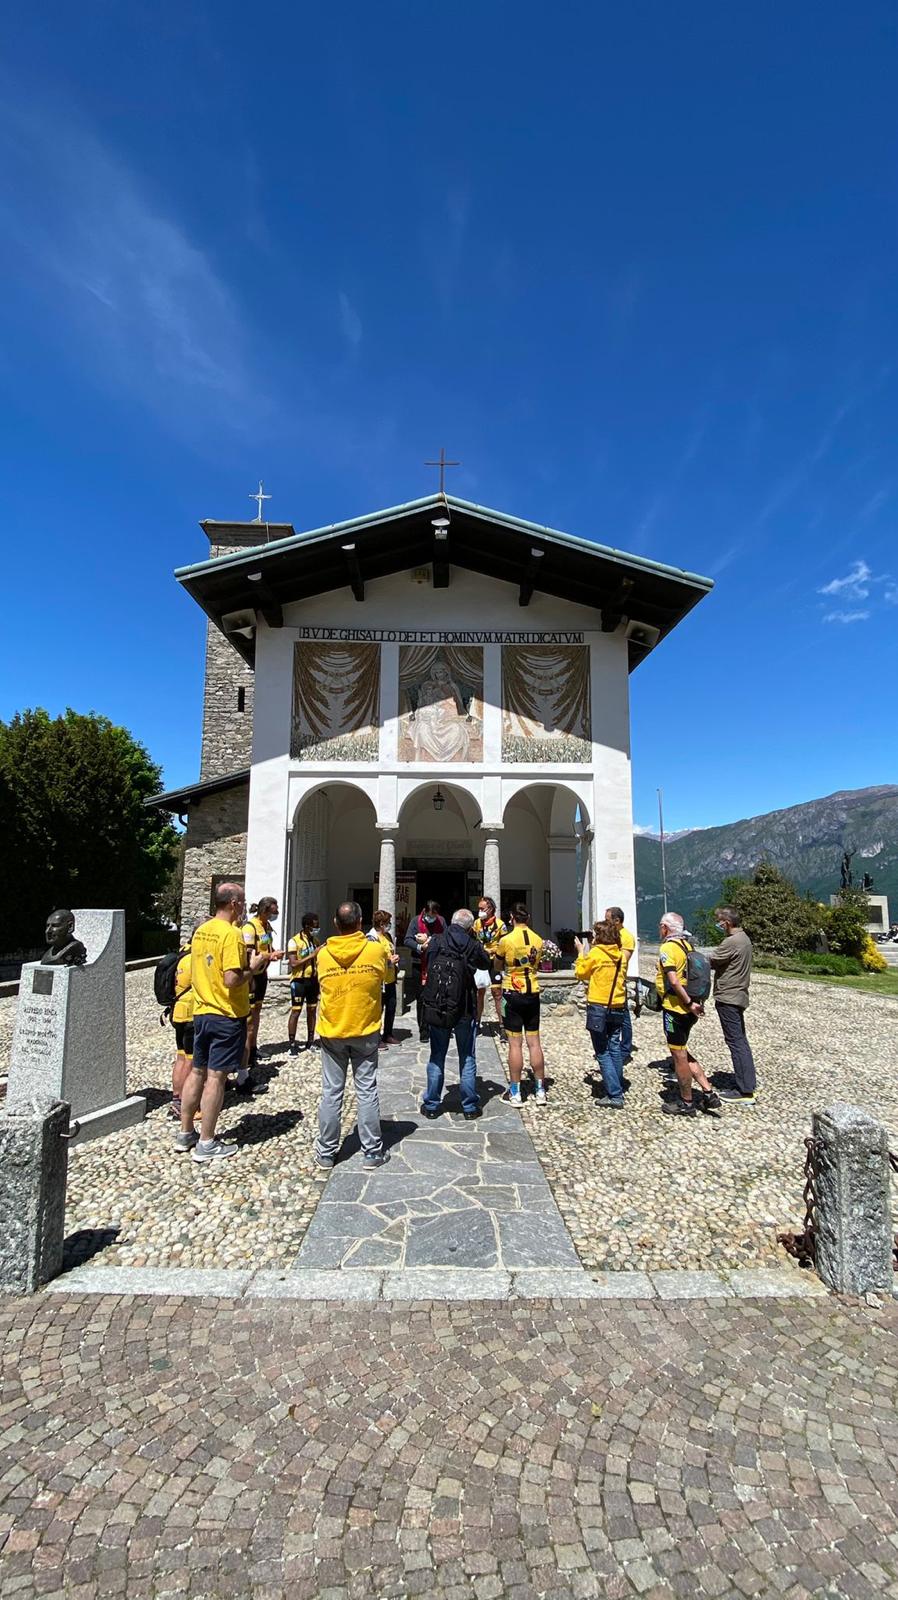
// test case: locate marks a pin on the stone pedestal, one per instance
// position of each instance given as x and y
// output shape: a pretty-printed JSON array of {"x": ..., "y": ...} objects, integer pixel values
[
  {"x": 33, "y": 1169},
  {"x": 854, "y": 1220},
  {"x": 69, "y": 1039}
]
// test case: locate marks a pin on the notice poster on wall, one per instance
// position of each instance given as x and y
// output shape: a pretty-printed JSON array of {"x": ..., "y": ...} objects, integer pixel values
[{"x": 406, "y": 907}]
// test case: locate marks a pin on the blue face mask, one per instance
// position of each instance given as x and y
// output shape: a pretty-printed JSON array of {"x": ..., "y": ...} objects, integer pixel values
[{"x": 721, "y": 927}]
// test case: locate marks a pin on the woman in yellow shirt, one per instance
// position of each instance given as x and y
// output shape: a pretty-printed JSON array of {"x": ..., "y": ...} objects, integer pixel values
[
  {"x": 603, "y": 963},
  {"x": 381, "y": 932}
]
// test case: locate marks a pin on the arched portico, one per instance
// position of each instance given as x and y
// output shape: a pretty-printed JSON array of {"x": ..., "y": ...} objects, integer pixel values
[
  {"x": 546, "y": 852},
  {"x": 334, "y": 850}
]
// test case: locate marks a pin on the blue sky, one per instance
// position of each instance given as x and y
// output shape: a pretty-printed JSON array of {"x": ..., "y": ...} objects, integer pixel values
[{"x": 634, "y": 265}]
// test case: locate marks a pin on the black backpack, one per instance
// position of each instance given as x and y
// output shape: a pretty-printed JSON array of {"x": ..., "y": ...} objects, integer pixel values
[
  {"x": 445, "y": 993},
  {"x": 698, "y": 972},
  {"x": 164, "y": 981}
]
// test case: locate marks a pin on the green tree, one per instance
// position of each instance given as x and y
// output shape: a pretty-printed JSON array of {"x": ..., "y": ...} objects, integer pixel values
[
  {"x": 846, "y": 923},
  {"x": 774, "y": 915},
  {"x": 77, "y": 832}
]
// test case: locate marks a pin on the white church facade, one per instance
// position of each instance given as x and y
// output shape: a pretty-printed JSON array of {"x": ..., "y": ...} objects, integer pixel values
[{"x": 428, "y": 702}]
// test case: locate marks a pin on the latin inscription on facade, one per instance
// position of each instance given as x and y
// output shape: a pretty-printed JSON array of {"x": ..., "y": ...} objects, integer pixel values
[{"x": 435, "y": 636}]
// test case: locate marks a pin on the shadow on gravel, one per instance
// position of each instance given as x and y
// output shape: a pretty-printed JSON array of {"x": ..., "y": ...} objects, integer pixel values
[
  {"x": 255, "y": 1127},
  {"x": 80, "y": 1247},
  {"x": 155, "y": 1097}
]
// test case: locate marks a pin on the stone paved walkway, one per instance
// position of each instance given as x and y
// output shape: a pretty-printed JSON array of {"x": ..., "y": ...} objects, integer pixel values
[
  {"x": 456, "y": 1195},
  {"x": 495, "y": 1451}
]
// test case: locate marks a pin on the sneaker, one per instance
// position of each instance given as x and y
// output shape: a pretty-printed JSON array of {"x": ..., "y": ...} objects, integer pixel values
[
  {"x": 431, "y": 1116},
  {"x": 294, "y": 1049},
  {"x": 215, "y": 1150},
  {"x": 678, "y": 1108},
  {"x": 539, "y": 1094},
  {"x": 737, "y": 1097},
  {"x": 708, "y": 1101},
  {"x": 174, "y": 1110},
  {"x": 471, "y": 1116},
  {"x": 324, "y": 1162},
  {"x": 377, "y": 1161},
  {"x": 512, "y": 1097},
  {"x": 612, "y": 1105},
  {"x": 186, "y": 1141},
  {"x": 392, "y": 1039},
  {"x": 248, "y": 1088}
]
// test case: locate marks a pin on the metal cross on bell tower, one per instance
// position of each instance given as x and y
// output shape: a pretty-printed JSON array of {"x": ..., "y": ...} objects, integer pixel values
[
  {"x": 442, "y": 464},
  {"x": 259, "y": 496}
]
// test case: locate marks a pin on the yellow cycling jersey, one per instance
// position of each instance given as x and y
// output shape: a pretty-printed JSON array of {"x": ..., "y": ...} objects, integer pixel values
[
  {"x": 519, "y": 950},
  {"x": 672, "y": 957},
  {"x": 182, "y": 1010},
  {"x": 257, "y": 937},
  {"x": 488, "y": 932},
  {"x": 217, "y": 948}
]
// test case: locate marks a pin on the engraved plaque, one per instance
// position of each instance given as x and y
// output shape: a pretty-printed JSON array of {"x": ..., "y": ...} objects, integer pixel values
[{"x": 42, "y": 982}]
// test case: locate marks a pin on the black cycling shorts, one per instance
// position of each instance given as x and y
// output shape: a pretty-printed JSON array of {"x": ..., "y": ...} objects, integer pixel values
[
  {"x": 304, "y": 991},
  {"x": 258, "y": 984},
  {"x": 521, "y": 1012},
  {"x": 184, "y": 1038},
  {"x": 677, "y": 1027}
]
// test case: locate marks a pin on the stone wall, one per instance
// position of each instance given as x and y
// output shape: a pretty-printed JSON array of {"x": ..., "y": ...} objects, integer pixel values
[
  {"x": 227, "y": 715},
  {"x": 216, "y": 848}
]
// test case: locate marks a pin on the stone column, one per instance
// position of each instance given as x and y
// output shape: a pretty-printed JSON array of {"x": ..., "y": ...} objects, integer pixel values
[
  {"x": 386, "y": 882},
  {"x": 853, "y": 1202},
  {"x": 34, "y": 1157},
  {"x": 492, "y": 869},
  {"x": 587, "y": 863}
]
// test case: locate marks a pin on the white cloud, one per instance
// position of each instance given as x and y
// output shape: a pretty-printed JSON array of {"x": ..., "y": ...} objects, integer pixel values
[
  {"x": 846, "y": 616},
  {"x": 854, "y": 586},
  {"x": 350, "y": 322},
  {"x": 125, "y": 286}
]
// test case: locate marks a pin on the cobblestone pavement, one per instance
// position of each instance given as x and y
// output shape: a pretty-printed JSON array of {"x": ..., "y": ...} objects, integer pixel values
[
  {"x": 455, "y": 1193},
  {"x": 155, "y": 1448},
  {"x": 635, "y": 1192},
  {"x": 640, "y": 1191}
]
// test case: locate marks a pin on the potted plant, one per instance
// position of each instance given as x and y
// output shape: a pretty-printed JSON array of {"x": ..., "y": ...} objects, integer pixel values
[{"x": 549, "y": 956}]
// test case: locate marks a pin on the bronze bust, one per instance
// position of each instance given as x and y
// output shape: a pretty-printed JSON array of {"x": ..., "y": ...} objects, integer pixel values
[{"x": 64, "y": 949}]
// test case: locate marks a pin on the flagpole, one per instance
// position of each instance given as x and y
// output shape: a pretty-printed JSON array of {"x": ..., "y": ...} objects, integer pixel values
[{"x": 661, "y": 831}]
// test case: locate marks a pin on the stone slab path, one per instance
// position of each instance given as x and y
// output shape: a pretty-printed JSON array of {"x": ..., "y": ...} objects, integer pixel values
[{"x": 456, "y": 1198}]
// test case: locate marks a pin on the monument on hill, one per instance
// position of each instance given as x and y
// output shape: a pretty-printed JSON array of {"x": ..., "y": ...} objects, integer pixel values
[{"x": 69, "y": 1039}]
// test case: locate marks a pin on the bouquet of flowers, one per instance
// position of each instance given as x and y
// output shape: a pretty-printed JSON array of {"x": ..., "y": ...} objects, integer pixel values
[{"x": 550, "y": 955}]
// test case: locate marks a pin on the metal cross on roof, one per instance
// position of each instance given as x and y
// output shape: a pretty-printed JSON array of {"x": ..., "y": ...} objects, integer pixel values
[
  {"x": 442, "y": 464},
  {"x": 259, "y": 497}
]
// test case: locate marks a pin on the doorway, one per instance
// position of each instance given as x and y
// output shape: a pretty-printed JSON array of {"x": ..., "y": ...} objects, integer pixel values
[{"x": 448, "y": 886}]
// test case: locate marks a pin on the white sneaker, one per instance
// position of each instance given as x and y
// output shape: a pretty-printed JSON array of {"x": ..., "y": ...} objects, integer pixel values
[
  {"x": 512, "y": 1097},
  {"x": 215, "y": 1150},
  {"x": 186, "y": 1141},
  {"x": 539, "y": 1094}
]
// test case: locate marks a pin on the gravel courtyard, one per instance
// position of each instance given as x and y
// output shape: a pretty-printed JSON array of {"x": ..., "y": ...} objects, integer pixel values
[{"x": 635, "y": 1190}]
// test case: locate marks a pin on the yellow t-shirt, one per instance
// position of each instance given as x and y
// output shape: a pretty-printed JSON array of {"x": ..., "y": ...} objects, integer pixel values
[
  {"x": 671, "y": 958},
  {"x": 257, "y": 937},
  {"x": 605, "y": 965},
  {"x": 182, "y": 1010},
  {"x": 352, "y": 972},
  {"x": 489, "y": 933},
  {"x": 389, "y": 949},
  {"x": 520, "y": 952},
  {"x": 627, "y": 944},
  {"x": 218, "y": 948}
]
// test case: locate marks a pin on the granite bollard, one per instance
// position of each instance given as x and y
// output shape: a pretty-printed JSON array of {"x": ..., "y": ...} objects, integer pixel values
[
  {"x": 33, "y": 1168},
  {"x": 69, "y": 1039},
  {"x": 853, "y": 1227}
]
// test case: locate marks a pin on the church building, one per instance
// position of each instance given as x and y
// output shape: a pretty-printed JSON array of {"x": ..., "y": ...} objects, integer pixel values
[{"x": 429, "y": 702}]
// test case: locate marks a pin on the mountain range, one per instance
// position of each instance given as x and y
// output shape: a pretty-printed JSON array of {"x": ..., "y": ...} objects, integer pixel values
[{"x": 806, "y": 842}]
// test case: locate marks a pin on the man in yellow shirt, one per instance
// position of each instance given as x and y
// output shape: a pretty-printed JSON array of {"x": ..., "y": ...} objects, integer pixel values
[
  {"x": 679, "y": 1014},
  {"x": 615, "y": 916},
  {"x": 519, "y": 954},
  {"x": 352, "y": 970},
  {"x": 182, "y": 1022},
  {"x": 488, "y": 929},
  {"x": 603, "y": 963},
  {"x": 219, "y": 977}
]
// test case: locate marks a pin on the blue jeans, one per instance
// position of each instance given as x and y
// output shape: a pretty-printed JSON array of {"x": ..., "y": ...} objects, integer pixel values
[
  {"x": 604, "y": 1026},
  {"x": 464, "y": 1032},
  {"x": 626, "y": 1035}
]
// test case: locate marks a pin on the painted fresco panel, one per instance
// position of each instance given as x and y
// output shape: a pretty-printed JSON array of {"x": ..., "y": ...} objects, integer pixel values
[
  {"x": 336, "y": 702},
  {"x": 546, "y": 704},
  {"x": 441, "y": 703}
]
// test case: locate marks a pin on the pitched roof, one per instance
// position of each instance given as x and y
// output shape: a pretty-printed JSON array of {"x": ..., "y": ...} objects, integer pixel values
[{"x": 233, "y": 588}]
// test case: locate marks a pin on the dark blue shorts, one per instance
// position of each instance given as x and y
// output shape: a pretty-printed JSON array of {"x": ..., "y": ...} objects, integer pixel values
[{"x": 218, "y": 1042}]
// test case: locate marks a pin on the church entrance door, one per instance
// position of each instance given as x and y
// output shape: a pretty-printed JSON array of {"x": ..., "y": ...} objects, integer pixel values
[{"x": 448, "y": 886}]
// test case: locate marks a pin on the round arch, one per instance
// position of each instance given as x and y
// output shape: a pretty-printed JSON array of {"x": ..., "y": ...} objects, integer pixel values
[
  {"x": 578, "y": 792},
  {"x": 546, "y": 852},
  {"x": 334, "y": 848}
]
